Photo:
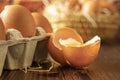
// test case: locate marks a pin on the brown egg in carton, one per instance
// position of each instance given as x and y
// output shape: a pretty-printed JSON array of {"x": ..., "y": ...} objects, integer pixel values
[{"x": 19, "y": 53}]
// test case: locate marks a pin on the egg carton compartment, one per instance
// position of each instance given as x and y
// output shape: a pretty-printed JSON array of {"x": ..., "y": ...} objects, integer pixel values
[
  {"x": 20, "y": 55},
  {"x": 3, "y": 52},
  {"x": 41, "y": 51}
]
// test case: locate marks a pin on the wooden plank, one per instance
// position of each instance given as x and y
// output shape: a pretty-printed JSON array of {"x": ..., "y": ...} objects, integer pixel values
[
  {"x": 66, "y": 73},
  {"x": 73, "y": 74},
  {"x": 107, "y": 65}
]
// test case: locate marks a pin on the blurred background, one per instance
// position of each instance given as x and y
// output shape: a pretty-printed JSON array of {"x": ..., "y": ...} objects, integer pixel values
[{"x": 87, "y": 17}]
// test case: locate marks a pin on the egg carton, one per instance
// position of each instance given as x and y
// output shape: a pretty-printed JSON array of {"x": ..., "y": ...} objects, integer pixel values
[{"x": 21, "y": 53}]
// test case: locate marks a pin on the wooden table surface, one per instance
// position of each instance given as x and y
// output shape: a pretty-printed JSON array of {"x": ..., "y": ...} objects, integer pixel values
[{"x": 105, "y": 67}]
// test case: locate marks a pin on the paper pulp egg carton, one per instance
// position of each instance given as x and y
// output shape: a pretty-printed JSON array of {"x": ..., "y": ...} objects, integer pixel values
[{"x": 21, "y": 53}]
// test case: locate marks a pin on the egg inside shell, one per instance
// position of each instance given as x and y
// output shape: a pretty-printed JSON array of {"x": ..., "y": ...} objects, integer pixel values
[{"x": 20, "y": 18}]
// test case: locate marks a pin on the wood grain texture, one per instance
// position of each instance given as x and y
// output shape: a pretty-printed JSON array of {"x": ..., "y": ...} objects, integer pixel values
[{"x": 105, "y": 67}]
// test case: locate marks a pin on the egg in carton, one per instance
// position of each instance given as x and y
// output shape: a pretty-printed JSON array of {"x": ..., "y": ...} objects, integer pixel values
[{"x": 20, "y": 55}]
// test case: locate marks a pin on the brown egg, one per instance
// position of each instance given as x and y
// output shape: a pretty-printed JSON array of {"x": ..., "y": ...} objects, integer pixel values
[
  {"x": 90, "y": 7},
  {"x": 2, "y": 31},
  {"x": 80, "y": 56},
  {"x": 3, "y": 3},
  {"x": 32, "y": 5},
  {"x": 74, "y": 3},
  {"x": 55, "y": 47},
  {"x": 41, "y": 21},
  {"x": 20, "y": 18},
  {"x": 108, "y": 5}
]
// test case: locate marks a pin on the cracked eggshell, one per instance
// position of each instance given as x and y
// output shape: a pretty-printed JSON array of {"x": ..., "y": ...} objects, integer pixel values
[
  {"x": 20, "y": 18},
  {"x": 55, "y": 47},
  {"x": 82, "y": 55}
]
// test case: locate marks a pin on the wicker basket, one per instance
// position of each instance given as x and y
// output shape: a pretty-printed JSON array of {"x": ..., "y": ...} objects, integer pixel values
[{"x": 104, "y": 25}]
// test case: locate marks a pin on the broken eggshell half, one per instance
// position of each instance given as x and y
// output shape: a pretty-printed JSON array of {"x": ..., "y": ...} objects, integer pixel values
[
  {"x": 54, "y": 46},
  {"x": 80, "y": 55}
]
